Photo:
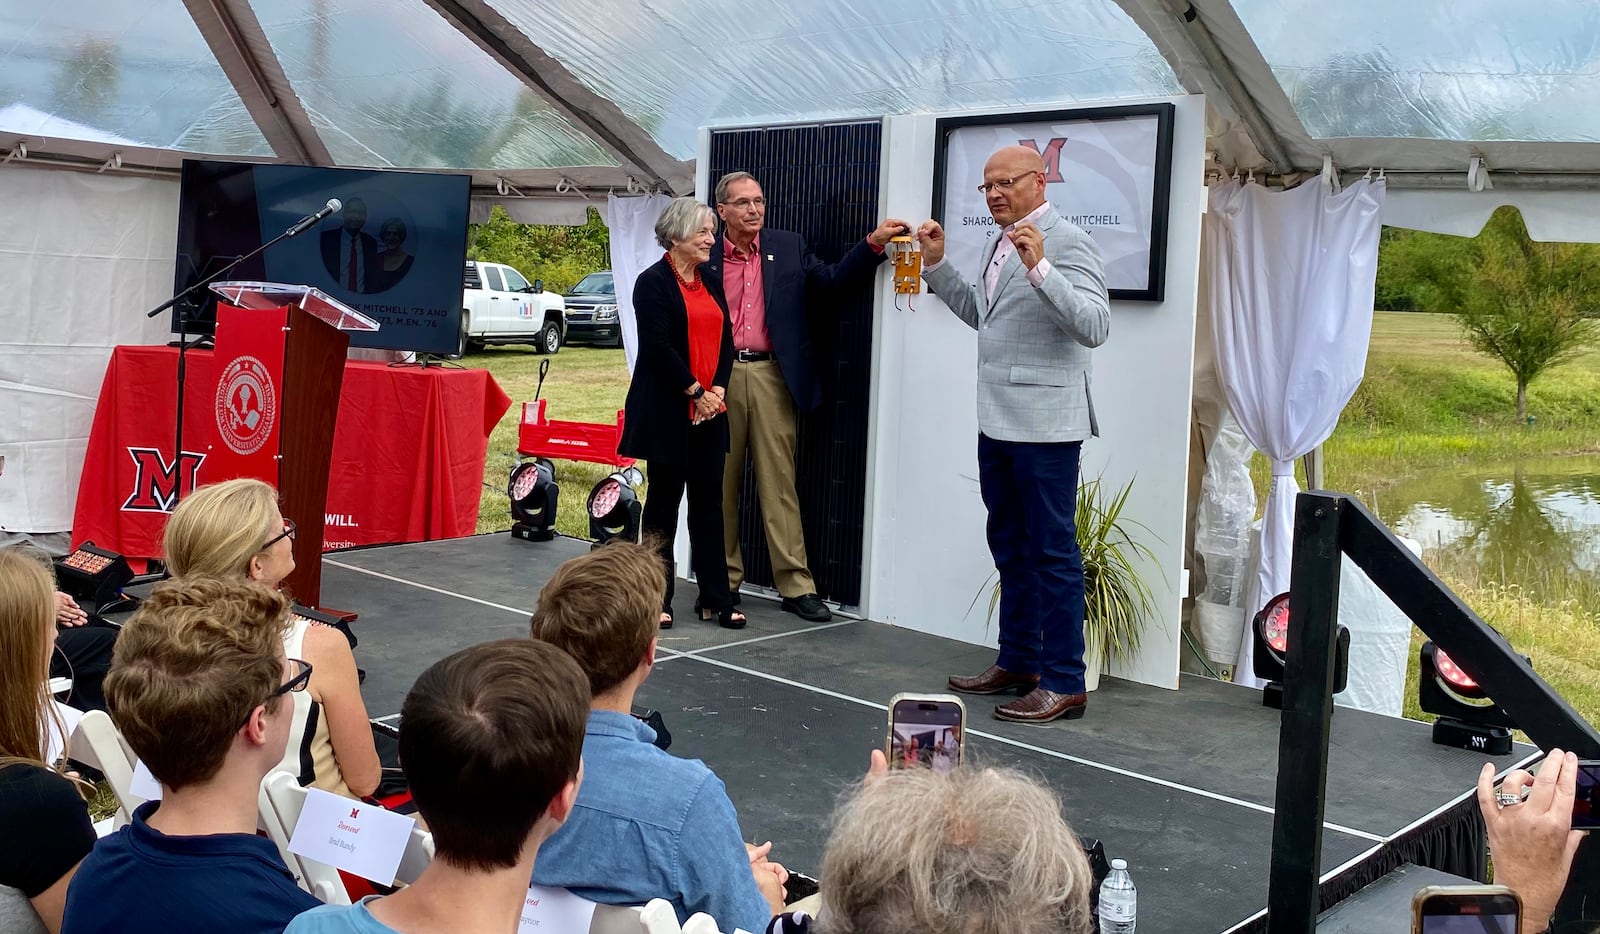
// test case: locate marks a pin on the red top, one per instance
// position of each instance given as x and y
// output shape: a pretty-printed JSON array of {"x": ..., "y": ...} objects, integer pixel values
[
  {"x": 705, "y": 329},
  {"x": 747, "y": 303}
]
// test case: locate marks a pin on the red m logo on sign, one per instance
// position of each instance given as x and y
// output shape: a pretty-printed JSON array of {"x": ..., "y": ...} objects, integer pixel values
[
  {"x": 156, "y": 482},
  {"x": 1051, "y": 154}
]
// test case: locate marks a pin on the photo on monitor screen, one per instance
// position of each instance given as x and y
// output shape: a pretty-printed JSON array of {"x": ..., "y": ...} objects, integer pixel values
[{"x": 394, "y": 251}]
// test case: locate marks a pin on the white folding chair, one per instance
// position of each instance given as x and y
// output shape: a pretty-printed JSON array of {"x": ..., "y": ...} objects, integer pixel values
[
  {"x": 284, "y": 798},
  {"x": 97, "y": 742}
]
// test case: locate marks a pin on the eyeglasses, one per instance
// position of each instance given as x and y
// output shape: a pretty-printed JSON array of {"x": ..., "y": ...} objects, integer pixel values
[
  {"x": 1005, "y": 184},
  {"x": 288, "y": 532},
  {"x": 744, "y": 204},
  {"x": 297, "y": 683}
]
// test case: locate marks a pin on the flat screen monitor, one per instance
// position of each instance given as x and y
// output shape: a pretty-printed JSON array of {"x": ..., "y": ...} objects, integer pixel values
[{"x": 394, "y": 252}]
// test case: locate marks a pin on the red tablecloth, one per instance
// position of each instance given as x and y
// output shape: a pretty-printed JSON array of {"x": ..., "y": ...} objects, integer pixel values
[{"x": 408, "y": 451}]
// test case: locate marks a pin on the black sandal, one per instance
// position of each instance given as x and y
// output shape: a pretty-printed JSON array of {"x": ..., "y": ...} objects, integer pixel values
[
  {"x": 729, "y": 618},
  {"x": 666, "y": 619}
]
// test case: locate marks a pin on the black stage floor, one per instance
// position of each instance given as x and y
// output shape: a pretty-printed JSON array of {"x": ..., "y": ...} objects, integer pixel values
[{"x": 1179, "y": 783}]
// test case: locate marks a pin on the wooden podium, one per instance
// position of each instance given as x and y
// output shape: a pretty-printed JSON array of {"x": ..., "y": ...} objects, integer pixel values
[{"x": 280, "y": 353}]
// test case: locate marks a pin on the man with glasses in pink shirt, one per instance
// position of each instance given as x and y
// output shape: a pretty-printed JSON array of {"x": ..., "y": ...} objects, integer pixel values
[{"x": 770, "y": 277}]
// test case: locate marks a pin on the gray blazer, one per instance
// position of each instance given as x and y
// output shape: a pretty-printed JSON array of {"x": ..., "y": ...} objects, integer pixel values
[{"x": 1033, "y": 344}]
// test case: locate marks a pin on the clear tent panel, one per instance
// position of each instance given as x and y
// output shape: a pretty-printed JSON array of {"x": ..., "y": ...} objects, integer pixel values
[
  {"x": 673, "y": 66},
  {"x": 121, "y": 72},
  {"x": 1426, "y": 69},
  {"x": 391, "y": 83}
]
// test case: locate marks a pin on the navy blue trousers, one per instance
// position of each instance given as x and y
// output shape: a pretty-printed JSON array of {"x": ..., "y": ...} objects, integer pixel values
[{"x": 1031, "y": 492}]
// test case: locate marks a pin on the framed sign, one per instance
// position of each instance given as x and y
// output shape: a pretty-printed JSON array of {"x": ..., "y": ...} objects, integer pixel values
[{"x": 1107, "y": 170}]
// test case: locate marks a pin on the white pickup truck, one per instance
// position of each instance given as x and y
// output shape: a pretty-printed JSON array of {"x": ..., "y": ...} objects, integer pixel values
[{"x": 500, "y": 306}]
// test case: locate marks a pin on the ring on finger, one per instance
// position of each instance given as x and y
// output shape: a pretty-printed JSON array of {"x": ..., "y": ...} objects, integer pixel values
[{"x": 1507, "y": 799}]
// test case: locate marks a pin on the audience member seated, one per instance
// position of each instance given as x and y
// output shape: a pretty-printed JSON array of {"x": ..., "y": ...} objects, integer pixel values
[
  {"x": 1531, "y": 840},
  {"x": 233, "y": 530},
  {"x": 44, "y": 823},
  {"x": 198, "y": 690},
  {"x": 496, "y": 735},
  {"x": 972, "y": 851},
  {"x": 647, "y": 824},
  {"x": 83, "y": 653}
]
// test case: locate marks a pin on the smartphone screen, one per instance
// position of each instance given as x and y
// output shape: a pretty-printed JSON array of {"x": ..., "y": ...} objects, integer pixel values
[
  {"x": 926, "y": 731},
  {"x": 1468, "y": 910},
  {"x": 1583, "y": 813}
]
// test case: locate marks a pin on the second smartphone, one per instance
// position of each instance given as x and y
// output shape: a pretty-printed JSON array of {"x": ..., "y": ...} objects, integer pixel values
[{"x": 926, "y": 730}]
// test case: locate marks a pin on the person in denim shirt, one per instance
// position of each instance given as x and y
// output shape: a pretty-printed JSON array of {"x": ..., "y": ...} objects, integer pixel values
[{"x": 647, "y": 824}]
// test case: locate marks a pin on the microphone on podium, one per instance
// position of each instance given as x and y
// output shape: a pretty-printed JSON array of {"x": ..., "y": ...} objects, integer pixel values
[{"x": 311, "y": 220}]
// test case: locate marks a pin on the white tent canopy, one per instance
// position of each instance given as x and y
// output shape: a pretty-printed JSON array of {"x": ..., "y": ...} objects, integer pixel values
[{"x": 566, "y": 99}]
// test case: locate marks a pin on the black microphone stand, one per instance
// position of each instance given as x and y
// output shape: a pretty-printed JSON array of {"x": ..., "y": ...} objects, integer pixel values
[{"x": 184, "y": 345}]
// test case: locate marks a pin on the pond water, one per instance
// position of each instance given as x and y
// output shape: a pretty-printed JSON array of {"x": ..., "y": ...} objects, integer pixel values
[{"x": 1533, "y": 523}]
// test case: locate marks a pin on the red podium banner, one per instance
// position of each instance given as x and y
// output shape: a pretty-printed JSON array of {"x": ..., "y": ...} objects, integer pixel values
[
  {"x": 407, "y": 465},
  {"x": 248, "y": 403}
]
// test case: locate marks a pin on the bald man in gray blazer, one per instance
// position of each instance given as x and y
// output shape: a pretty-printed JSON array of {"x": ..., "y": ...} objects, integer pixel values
[{"x": 1039, "y": 307}]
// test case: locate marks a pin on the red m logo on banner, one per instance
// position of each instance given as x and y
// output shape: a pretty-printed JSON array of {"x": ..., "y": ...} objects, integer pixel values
[
  {"x": 156, "y": 482},
  {"x": 1051, "y": 156}
]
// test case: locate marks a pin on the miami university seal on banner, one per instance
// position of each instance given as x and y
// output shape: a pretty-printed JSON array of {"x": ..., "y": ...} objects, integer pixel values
[{"x": 247, "y": 405}]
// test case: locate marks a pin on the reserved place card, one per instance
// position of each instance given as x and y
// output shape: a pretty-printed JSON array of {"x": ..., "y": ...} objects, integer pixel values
[
  {"x": 554, "y": 910},
  {"x": 362, "y": 839}
]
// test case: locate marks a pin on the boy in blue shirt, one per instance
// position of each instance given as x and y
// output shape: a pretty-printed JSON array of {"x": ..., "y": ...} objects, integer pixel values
[
  {"x": 492, "y": 739},
  {"x": 647, "y": 824},
  {"x": 198, "y": 686}
]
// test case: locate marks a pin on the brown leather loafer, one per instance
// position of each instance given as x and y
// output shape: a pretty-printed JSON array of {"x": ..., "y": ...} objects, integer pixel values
[
  {"x": 993, "y": 681},
  {"x": 1041, "y": 706}
]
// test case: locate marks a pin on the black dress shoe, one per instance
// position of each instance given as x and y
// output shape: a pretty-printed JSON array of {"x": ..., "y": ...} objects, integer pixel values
[
  {"x": 1041, "y": 706},
  {"x": 807, "y": 606},
  {"x": 993, "y": 681}
]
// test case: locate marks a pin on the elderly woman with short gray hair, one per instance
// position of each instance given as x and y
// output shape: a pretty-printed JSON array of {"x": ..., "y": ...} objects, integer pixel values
[
  {"x": 671, "y": 418},
  {"x": 973, "y": 851}
]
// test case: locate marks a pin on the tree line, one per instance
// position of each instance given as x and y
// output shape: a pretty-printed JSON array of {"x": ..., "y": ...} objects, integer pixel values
[{"x": 558, "y": 254}]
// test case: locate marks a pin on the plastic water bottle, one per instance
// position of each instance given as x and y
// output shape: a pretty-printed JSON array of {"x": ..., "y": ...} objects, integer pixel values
[{"x": 1119, "y": 900}]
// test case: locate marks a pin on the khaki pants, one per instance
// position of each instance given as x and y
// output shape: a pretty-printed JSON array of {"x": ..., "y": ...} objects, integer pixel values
[{"x": 761, "y": 417}]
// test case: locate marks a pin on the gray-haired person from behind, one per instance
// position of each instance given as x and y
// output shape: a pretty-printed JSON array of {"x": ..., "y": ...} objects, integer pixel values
[{"x": 974, "y": 851}]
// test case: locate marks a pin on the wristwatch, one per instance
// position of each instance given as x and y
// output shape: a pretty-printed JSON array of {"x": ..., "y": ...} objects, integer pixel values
[{"x": 698, "y": 392}]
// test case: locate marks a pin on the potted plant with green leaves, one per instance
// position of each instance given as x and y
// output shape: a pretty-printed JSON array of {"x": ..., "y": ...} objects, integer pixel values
[{"x": 1117, "y": 601}]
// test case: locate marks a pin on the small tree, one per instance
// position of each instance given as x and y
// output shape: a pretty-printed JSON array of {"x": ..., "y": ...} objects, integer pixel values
[{"x": 1531, "y": 305}]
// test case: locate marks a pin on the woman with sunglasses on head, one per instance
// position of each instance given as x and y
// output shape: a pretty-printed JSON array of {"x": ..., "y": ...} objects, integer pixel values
[
  {"x": 43, "y": 818},
  {"x": 234, "y": 529}
]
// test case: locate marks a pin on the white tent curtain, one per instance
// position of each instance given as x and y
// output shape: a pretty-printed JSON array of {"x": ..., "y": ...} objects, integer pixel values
[
  {"x": 1292, "y": 275},
  {"x": 81, "y": 256},
  {"x": 633, "y": 249}
]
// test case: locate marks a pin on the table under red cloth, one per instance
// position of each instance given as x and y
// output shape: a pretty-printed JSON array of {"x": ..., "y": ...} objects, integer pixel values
[{"x": 408, "y": 451}]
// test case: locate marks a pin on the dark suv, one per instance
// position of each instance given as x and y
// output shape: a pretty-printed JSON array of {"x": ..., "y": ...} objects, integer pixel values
[{"x": 592, "y": 311}]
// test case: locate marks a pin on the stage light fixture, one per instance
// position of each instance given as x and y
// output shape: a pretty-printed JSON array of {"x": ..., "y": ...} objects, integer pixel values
[
  {"x": 1272, "y": 635},
  {"x": 533, "y": 491},
  {"x": 615, "y": 507},
  {"x": 94, "y": 577},
  {"x": 1468, "y": 717}
]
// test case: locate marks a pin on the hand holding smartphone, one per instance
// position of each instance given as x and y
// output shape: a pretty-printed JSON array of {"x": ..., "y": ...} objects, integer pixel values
[
  {"x": 926, "y": 731},
  {"x": 1465, "y": 909}
]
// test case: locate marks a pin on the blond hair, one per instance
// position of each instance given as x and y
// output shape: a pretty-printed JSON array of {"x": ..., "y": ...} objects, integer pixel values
[
  {"x": 27, "y": 635},
  {"x": 219, "y": 527},
  {"x": 190, "y": 667},
  {"x": 974, "y": 851}
]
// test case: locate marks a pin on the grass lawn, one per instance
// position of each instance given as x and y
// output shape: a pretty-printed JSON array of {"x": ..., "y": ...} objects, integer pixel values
[
  {"x": 585, "y": 384},
  {"x": 1429, "y": 400}
]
